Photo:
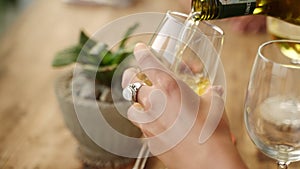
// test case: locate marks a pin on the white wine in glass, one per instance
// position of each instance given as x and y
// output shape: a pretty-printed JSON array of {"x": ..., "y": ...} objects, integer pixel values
[
  {"x": 272, "y": 106},
  {"x": 189, "y": 48}
]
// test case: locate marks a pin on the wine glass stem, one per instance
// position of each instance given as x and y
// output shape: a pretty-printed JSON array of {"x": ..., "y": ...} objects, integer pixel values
[{"x": 282, "y": 165}]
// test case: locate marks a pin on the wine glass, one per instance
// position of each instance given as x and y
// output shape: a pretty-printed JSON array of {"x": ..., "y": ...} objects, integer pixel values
[
  {"x": 190, "y": 50},
  {"x": 272, "y": 105}
]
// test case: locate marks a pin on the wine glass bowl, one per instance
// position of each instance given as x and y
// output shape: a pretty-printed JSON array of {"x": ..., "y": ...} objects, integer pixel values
[
  {"x": 272, "y": 105},
  {"x": 190, "y": 50}
]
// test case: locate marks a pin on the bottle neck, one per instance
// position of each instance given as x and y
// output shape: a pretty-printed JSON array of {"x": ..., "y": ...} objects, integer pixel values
[
  {"x": 215, "y": 9},
  {"x": 287, "y": 10}
]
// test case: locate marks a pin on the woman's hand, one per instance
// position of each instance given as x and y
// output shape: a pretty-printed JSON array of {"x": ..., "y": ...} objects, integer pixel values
[{"x": 184, "y": 130}]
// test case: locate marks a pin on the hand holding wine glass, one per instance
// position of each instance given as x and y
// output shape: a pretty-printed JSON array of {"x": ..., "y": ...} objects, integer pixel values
[
  {"x": 186, "y": 50},
  {"x": 179, "y": 100}
]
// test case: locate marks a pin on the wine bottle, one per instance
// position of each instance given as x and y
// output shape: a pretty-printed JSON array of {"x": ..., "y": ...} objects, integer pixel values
[
  {"x": 287, "y": 10},
  {"x": 279, "y": 29}
]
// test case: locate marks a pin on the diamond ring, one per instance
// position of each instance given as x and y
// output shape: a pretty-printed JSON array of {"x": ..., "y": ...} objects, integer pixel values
[{"x": 131, "y": 91}]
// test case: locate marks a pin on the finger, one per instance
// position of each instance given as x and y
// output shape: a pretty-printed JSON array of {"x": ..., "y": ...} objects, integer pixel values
[
  {"x": 152, "y": 100},
  {"x": 129, "y": 76},
  {"x": 139, "y": 115},
  {"x": 146, "y": 59},
  {"x": 159, "y": 75},
  {"x": 141, "y": 96}
]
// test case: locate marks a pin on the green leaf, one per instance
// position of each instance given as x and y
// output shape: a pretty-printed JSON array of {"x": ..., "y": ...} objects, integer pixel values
[
  {"x": 120, "y": 55},
  {"x": 67, "y": 56},
  {"x": 127, "y": 34},
  {"x": 104, "y": 74},
  {"x": 95, "y": 58},
  {"x": 83, "y": 38},
  {"x": 86, "y": 41},
  {"x": 107, "y": 58}
]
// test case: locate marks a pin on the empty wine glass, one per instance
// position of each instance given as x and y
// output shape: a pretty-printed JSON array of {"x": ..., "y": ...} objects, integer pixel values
[{"x": 272, "y": 105}]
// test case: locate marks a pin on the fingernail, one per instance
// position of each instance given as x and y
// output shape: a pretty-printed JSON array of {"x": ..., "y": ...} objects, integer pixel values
[{"x": 139, "y": 47}]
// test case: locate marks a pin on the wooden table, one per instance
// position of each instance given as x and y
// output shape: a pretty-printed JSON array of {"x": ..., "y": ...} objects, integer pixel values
[{"x": 32, "y": 132}]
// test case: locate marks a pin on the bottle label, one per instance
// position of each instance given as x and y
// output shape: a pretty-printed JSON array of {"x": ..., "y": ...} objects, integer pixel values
[
  {"x": 229, "y": 2},
  {"x": 236, "y": 8}
]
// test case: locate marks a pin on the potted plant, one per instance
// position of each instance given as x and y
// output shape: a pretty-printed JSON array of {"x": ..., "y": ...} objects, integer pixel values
[{"x": 87, "y": 90}]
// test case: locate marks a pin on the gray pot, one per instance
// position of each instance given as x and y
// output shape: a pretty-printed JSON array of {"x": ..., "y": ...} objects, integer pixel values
[{"x": 89, "y": 152}]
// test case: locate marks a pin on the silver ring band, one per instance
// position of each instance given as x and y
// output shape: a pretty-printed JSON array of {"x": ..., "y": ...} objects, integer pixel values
[{"x": 131, "y": 91}]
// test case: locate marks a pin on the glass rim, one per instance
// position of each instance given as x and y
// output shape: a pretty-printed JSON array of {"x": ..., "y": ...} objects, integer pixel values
[
  {"x": 267, "y": 59},
  {"x": 214, "y": 27}
]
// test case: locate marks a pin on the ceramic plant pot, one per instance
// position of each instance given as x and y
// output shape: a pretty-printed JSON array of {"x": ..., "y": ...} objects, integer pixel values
[{"x": 89, "y": 152}]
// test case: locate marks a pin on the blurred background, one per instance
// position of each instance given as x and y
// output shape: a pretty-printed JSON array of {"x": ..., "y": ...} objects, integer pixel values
[
  {"x": 10, "y": 10},
  {"x": 32, "y": 131}
]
